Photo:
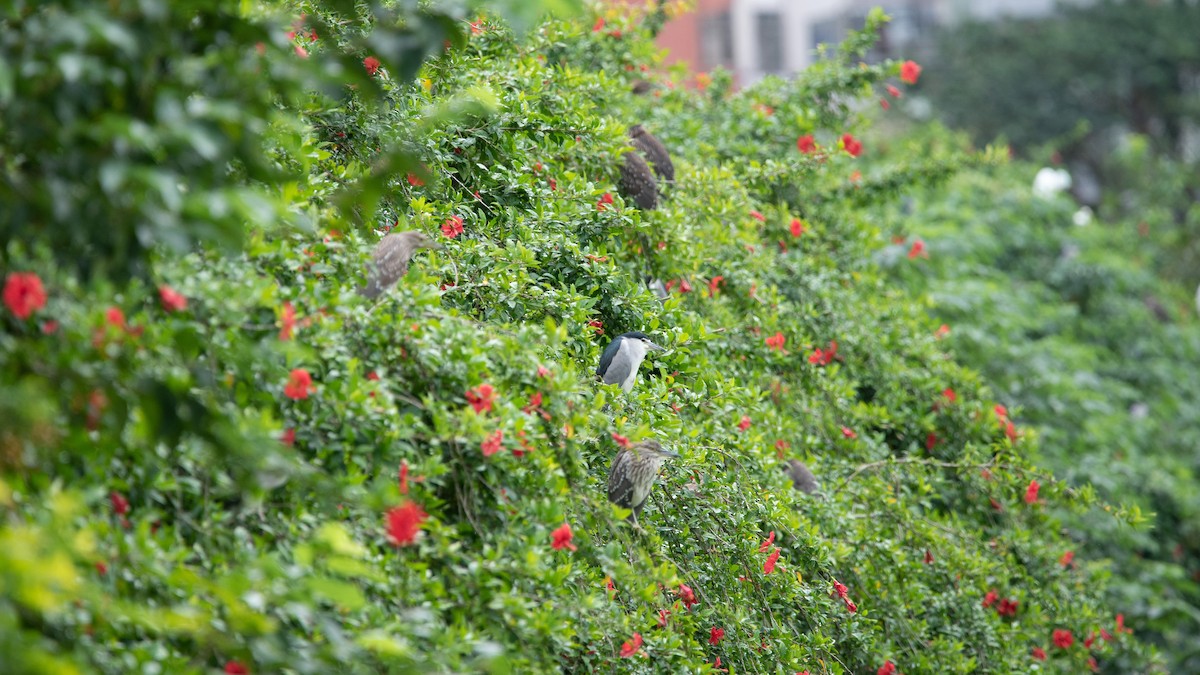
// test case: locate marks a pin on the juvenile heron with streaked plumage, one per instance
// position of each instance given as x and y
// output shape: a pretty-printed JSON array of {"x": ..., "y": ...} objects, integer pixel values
[
  {"x": 633, "y": 472},
  {"x": 390, "y": 260},
  {"x": 802, "y": 477}
]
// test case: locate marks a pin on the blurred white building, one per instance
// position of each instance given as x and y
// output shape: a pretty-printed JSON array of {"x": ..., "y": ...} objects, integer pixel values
[{"x": 753, "y": 38}]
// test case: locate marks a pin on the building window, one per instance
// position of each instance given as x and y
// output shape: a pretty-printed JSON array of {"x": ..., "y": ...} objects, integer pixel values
[
  {"x": 825, "y": 36},
  {"x": 769, "y": 31},
  {"x": 716, "y": 41}
]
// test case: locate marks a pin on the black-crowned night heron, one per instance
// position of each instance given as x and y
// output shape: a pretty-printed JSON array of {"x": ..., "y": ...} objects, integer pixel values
[
  {"x": 637, "y": 182},
  {"x": 620, "y": 361},
  {"x": 633, "y": 473},
  {"x": 802, "y": 478},
  {"x": 389, "y": 262},
  {"x": 655, "y": 152}
]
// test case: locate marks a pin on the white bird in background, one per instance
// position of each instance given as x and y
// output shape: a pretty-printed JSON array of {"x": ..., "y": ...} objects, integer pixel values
[{"x": 1049, "y": 182}]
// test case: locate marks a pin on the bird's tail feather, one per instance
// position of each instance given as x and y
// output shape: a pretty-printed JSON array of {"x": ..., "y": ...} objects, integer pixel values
[{"x": 371, "y": 290}]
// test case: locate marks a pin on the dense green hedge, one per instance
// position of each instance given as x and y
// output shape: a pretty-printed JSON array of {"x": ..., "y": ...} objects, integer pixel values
[
  {"x": 1083, "y": 342},
  {"x": 220, "y": 463}
]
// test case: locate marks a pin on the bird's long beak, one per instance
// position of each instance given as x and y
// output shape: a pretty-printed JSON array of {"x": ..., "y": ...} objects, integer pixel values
[
  {"x": 437, "y": 246},
  {"x": 655, "y": 347},
  {"x": 672, "y": 454}
]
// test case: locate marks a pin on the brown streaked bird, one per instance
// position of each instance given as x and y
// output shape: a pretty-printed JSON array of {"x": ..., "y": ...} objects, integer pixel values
[
  {"x": 637, "y": 183},
  {"x": 641, "y": 87},
  {"x": 655, "y": 152},
  {"x": 389, "y": 262},
  {"x": 802, "y": 477},
  {"x": 1157, "y": 309},
  {"x": 633, "y": 472}
]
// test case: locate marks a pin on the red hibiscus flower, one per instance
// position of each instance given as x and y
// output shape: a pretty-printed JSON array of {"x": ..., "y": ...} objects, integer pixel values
[
  {"x": 1121, "y": 625},
  {"x": 452, "y": 227},
  {"x": 606, "y": 201},
  {"x": 561, "y": 538},
  {"x": 115, "y": 318},
  {"x": 299, "y": 385},
  {"x": 852, "y": 145},
  {"x": 404, "y": 523},
  {"x": 776, "y": 341},
  {"x": 287, "y": 321},
  {"x": 824, "y": 357},
  {"x": 909, "y": 72},
  {"x": 762, "y": 548},
  {"x": 797, "y": 227},
  {"x": 769, "y": 564},
  {"x": 631, "y": 646},
  {"x": 172, "y": 300},
  {"x": 119, "y": 503},
  {"x": 806, "y": 144},
  {"x": 1031, "y": 492},
  {"x": 716, "y": 635},
  {"x": 621, "y": 440},
  {"x": 917, "y": 250},
  {"x": 744, "y": 424},
  {"x": 1038, "y": 653},
  {"x": 372, "y": 65},
  {"x": 493, "y": 443},
  {"x": 481, "y": 398},
  {"x": 1063, "y": 638},
  {"x": 687, "y": 595}
]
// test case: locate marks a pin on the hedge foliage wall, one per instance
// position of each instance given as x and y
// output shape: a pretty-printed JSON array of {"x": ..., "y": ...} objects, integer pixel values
[
  {"x": 217, "y": 456},
  {"x": 1077, "y": 332}
]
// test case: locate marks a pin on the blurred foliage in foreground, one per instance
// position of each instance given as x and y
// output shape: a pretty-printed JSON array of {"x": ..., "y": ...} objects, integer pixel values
[{"x": 215, "y": 459}]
